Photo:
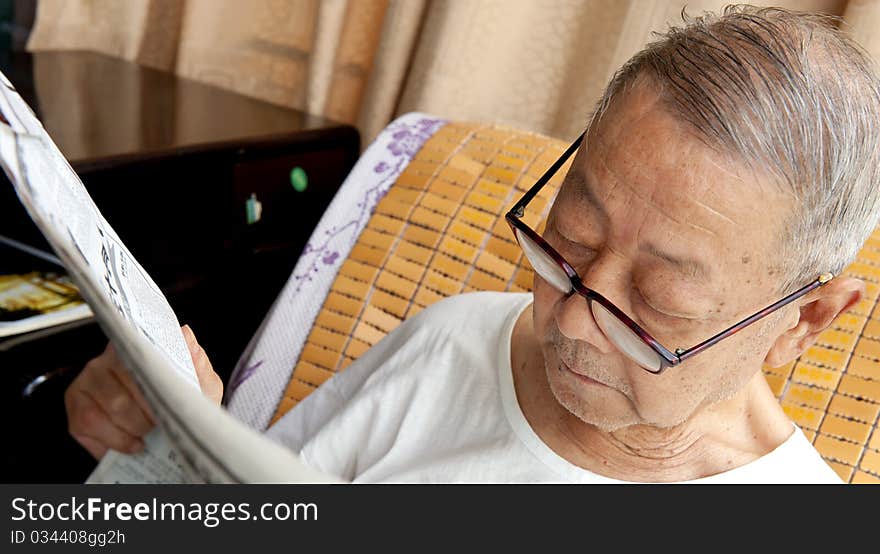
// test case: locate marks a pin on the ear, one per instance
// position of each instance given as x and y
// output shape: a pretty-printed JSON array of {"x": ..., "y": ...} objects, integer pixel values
[{"x": 817, "y": 311}]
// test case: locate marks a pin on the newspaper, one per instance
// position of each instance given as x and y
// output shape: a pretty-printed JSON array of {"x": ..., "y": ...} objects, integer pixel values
[{"x": 196, "y": 440}]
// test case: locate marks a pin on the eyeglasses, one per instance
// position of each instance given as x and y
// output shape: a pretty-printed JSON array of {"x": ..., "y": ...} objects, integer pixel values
[{"x": 626, "y": 335}]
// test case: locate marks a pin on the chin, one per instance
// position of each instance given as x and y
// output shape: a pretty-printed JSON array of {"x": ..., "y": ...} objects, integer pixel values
[{"x": 593, "y": 404}]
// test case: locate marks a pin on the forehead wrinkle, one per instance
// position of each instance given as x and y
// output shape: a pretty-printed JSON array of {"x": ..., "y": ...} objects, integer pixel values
[
  {"x": 714, "y": 211},
  {"x": 650, "y": 201},
  {"x": 608, "y": 138},
  {"x": 690, "y": 267},
  {"x": 729, "y": 173}
]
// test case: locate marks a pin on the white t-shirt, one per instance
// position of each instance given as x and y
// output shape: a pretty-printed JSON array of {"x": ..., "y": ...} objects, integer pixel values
[{"x": 435, "y": 402}]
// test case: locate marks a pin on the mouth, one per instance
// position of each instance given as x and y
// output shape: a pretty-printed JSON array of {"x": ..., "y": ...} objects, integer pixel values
[{"x": 581, "y": 377}]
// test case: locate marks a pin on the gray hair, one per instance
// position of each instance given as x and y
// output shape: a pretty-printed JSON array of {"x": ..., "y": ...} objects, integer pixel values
[{"x": 793, "y": 97}]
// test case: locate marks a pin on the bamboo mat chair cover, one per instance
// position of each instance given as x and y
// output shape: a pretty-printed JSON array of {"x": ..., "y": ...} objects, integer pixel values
[{"x": 420, "y": 218}]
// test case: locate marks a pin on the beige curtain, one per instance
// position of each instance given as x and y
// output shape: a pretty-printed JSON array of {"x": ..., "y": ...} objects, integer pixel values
[{"x": 535, "y": 65}]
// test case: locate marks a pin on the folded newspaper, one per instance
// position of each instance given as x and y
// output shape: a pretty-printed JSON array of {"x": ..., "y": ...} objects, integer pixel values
[{"x": 196, "y": 440}]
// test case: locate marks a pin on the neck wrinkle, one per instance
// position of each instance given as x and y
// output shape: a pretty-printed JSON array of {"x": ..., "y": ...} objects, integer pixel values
[
  {"x": 655, "y": 444},
  {"x": 642, "y": 453},
  {"x": 646, "y": 453}
]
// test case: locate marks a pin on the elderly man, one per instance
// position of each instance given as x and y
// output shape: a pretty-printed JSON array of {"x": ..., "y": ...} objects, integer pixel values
[{"x": 728, "y": 174}]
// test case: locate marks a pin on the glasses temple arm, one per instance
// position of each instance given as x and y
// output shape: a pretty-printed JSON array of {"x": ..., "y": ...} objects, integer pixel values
[
  {"x": 519, "y": 208},
  {"x": 684, "y": 354}
]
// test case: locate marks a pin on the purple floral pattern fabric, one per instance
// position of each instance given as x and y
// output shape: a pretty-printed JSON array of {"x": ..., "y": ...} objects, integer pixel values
[
  {"x": 406, "y": 140},
  {"x": 264, "y": 369}
]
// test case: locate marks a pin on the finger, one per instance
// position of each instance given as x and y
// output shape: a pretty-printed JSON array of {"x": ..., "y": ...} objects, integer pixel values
[
  {"x": 127, "y": 381},
  {"x": 209, "y": 381},
  {"x": 106, "y": 390},
  {"x": 110, "y": 350},
  {"x": 110, "y": 360},
  {"x": 189, "y": 337},
  {"x": 196, "y": 352},
  {"x": 92, "y": 446},
  {"x": 92, "y": 428},
  {"x": 211, "y": 385}
]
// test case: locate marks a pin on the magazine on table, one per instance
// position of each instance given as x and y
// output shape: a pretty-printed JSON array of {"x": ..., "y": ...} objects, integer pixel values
[
  {"x": 38, "y": 300},
  {"x": 36, "y": 294},
  {"x": 196, "y": 440}
]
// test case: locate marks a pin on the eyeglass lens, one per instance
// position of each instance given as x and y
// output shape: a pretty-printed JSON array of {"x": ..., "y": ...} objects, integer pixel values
[{"x": 624, "y": 338}]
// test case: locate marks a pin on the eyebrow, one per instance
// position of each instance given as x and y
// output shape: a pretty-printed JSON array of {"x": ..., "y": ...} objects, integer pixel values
[
  {"x": 689, "y": 266},
  {"x": 580, "y": 184}
]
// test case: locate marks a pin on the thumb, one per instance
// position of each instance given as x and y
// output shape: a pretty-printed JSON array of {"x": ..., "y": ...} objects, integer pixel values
[{"x": 209, "y": 381}]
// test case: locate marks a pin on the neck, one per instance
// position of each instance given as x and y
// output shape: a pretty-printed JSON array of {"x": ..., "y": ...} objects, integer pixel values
[{"x": 717, "y": 437}]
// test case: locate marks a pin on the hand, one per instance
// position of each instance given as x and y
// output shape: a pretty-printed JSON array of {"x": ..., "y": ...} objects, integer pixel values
[{"x": 105, "y": 407}]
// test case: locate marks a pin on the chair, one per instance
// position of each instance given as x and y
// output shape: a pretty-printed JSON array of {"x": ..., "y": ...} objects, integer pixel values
[{"x": 421, "y": 218}]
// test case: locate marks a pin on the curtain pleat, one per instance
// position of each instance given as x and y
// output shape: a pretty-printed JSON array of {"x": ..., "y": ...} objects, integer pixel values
[{"x": 538, "y": 66}]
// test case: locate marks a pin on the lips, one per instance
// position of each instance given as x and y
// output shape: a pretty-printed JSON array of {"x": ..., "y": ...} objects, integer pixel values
[{"x": 582, "y": 377}]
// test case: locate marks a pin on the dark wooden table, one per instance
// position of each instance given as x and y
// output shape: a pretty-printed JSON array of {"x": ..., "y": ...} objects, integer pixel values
[{"x": 170, "y": 162}]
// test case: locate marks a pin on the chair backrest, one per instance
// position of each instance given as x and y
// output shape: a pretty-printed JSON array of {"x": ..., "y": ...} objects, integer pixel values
[{"x": 440, "y": 231}]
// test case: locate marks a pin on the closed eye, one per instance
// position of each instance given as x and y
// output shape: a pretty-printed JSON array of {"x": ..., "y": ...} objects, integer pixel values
[
  {"x": 668, "y": 315},
  {"x": 579, "y": 256},
  {"x": 575, "y": 245},
  {"x": 565, "y": 243}
]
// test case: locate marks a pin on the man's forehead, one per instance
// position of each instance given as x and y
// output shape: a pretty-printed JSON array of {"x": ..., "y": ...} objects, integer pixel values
[
  {"x": 641, "y": 132},
  {"x": 703, "y": 207},
  {"x": 691, "y": 266},
  {"x": 640, "y": 145}
]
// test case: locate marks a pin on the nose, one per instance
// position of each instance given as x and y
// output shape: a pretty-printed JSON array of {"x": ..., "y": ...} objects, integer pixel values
[
  {"x": 575, "y": 320},
  {"x": 574, "y": 317}
]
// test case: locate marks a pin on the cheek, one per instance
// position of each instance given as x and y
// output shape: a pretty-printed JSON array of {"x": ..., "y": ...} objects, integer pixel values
[
  {"x": 742, "y": 360},
  {"x": 542, "y": 311},
  {"x": 671, "y": 398},
  {"x": 713, "y": 376}
]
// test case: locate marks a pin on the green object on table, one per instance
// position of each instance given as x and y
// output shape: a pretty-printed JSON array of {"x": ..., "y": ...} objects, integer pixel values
[
  {"x": 299, "y": 179},
  {"x": 253, "y": 209}
]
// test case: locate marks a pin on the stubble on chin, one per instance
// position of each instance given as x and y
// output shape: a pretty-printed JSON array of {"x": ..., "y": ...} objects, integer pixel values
[
  {"x": 582, "y": 356},
  {"x": 605, "y": 411},
  {"x": 594, "y": 414}
]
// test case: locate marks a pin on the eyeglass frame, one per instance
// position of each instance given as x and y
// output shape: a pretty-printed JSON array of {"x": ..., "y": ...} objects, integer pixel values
[{"x": 668, "y": 357}]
